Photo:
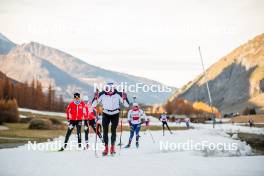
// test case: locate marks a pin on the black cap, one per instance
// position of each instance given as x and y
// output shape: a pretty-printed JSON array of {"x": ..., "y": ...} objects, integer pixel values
[{"x": 76, "y": 95}]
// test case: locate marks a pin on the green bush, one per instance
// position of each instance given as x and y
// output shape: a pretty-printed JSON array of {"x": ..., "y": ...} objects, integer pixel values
[
  {"x": 25, "y": 120},
  {"x": 55, "y": 121},
  {"x": 40, "y": 124}
]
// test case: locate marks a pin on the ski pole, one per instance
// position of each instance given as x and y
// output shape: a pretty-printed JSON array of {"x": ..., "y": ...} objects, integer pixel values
[
  {"x": 169, "y": 128},
  {"x": 163, "y": 128},
  {"x": 96, "y": 126},
  {"x": 121, "y": 124},
  {"x": 153, "y": 140},
  {"x": 121, "y": 131},
  {"x": 96, "y": 131}
]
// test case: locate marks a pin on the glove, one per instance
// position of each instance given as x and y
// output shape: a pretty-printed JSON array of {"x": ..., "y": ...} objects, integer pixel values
[
  {"x": 70, "y": 126},
  {"x": 68, "y": 123},
  {"x": 142, "y": 121},
  {"x": 96, "y": 95},
  {"x": 124, "y": 96},
  {"x": 147, "y": 122}
]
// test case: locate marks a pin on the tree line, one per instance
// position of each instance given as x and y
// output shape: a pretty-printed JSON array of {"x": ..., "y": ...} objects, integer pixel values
[
  {"x": 30, "y": 95},
  {"x": 185, "y": 107}
]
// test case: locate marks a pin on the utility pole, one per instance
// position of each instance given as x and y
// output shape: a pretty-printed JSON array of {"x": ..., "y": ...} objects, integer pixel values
[{"x": 208, "y": 89}]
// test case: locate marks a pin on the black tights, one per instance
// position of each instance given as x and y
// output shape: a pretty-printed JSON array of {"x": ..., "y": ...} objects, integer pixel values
[
  {"x": 91, "y": 123},
  {"x": 163, "y": 126},
  {"x": 114, "y": 119},
  {"x": 72, "y": 124}
]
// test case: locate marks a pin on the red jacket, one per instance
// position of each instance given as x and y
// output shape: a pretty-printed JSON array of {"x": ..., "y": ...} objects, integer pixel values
[
  {"x": 74, "y": 111},
  {"x": 89, "y": 112}
]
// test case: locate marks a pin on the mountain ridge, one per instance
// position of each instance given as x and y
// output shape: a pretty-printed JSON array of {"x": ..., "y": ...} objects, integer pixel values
[
  {"x": 70, "y": 67},
  {"x": 234, "y": 79},
  {"x": 5, "y": 44}
]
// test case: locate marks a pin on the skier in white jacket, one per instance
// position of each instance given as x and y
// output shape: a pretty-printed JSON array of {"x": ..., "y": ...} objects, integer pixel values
[
  {"x": 110, "y": 99},
  {"x": 164, "y": 118},
  {"x": 135, "y": 118}
]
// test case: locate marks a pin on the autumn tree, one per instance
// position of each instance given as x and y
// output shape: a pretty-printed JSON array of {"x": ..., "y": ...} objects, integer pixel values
[
  {"x": 169, "y": 107},
  {"x": 30, "y": 95},
  {"x": 1, "y": 88},
  {"x": 8, "y": 111},
  {"x": 50, "y": 98},
  {"x": 39, "y": 97}
]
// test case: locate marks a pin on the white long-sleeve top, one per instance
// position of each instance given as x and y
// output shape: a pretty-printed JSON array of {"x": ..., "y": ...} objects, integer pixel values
[
  {"x": 135, "y": 116},
  {"x": 163, "y": 118},
  {"x": 111, "y": 103}
]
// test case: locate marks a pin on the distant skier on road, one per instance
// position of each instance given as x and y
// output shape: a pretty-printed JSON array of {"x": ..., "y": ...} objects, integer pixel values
[
  {"x": 187, "y": 122},
  {"x": 251, "y": 122},
  {"x": 89, "y": 120},
  {"x": 164, "y": 118},
  {"x": 135, "y": 118},
  {"x": 74, "y": 116},
  {"x": 147, "y": 121},
  {"x": 110, "y": 99}
]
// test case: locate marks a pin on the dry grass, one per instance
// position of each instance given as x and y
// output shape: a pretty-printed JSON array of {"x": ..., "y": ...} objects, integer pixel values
[
  {"x": 244, "y": 119},
  {"x": 154, "y": 128},
  {"x": 20, "y": 130}
]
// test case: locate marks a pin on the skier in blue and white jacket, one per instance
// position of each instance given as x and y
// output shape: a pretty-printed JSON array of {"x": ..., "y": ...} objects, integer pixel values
[
  {"x": 110, "y": 99},
  {"x": 135, "y": 118}
]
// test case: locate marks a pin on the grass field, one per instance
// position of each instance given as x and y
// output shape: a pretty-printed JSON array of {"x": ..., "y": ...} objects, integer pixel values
[
  {"x": 19, "y": 133},
  {"x": 245, "y": 118}
]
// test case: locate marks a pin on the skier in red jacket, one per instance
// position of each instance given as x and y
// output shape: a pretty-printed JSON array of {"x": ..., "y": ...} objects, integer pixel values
[
  {"x": 74, "y": 116},
  {"x": 89, "y": 120}
]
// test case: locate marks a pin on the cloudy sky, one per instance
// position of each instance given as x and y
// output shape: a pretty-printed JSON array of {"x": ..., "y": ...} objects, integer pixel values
[{"x": 157, "y": 39}]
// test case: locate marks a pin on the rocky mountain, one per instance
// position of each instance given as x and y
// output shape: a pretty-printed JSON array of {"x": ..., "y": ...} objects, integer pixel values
[
  {"x": 66, "y": 72},
  {"x": 24, "y": 66},
  {"x": 5, "y": 44},
  {"x": 236, "y": 81}
]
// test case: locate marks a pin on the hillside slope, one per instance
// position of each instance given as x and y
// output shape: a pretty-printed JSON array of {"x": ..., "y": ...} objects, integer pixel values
[
  {"x": 25, "y": 66},
  {"x": 236, "y": 80}
]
